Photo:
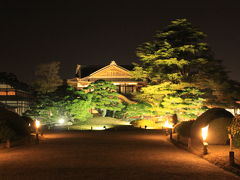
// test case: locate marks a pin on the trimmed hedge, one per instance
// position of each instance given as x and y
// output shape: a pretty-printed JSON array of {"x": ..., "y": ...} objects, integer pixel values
[
  {"x": 184, "y": 128},
  {"x": 12, "y": 125},
  {"x": 234, "y": 129},
  {"x": 218, "y": 120}
]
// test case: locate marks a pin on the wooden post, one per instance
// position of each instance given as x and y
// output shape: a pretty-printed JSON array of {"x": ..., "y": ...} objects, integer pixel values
[
  {"x": 189, "y": 143},
  {"x": 170, "y": 133},
  {"x": 37, "y": 138},
  {"x": 231, "y": 152},
  {"x": 230, "y": 142},
  {"x": 8, "y": 143},
  {"x": 231, "y": 158}
]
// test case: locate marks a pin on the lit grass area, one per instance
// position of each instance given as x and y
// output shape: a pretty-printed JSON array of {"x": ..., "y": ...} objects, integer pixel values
[
  {"x": 99, "y": 123},
  {"x": 150, "y": 124}
]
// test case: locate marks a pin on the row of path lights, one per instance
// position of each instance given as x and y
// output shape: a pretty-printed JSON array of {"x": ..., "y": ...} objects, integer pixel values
[
  {"x": 169, "y": 127},
  {"x": 205, "y": 145}
]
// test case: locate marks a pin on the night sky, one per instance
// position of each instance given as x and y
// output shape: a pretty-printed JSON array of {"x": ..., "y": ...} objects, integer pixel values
[{"x": 98, "y": 32}]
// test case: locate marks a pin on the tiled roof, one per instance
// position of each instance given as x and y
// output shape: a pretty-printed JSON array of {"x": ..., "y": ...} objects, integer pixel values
[
  {"x": 110, "y": 79},
  {"x": 86, "y": 70}
]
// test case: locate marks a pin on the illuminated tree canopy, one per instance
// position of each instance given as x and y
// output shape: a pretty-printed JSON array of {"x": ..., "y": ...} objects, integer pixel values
[
  {"x": 104, "y": 96},
  {"x": 182, "y": 74},
  {"x": 65, "y": 102}
]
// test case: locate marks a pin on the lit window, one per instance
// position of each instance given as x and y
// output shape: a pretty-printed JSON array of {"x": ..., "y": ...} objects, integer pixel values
[
  {"x": 11, "y": 93},
  {"x": 3, "y": 93}
]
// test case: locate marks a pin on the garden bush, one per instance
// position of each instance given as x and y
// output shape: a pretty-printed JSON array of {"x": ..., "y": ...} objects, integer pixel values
[
  {"x": 12, "y": 125},
  {"x": 6, "y": 133},
  {"x": 218, "y": 120},
  {"x": 184, "y": 128},
  {"x": 234, "y": 130}
]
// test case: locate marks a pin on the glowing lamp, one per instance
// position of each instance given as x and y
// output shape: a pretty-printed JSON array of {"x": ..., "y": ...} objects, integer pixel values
[
  {"x": 168, "y": 125},
  {"x": 61, "y": 121},
  {"x": 204, "y": 133},
  {"x": 37, "y": 124},
  {"x": 98, "y": 128},
  {"x": 204, "y": 137}
]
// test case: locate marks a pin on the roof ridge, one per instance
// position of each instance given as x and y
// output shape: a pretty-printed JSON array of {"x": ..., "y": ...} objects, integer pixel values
[{"x": 113, "y": 63}]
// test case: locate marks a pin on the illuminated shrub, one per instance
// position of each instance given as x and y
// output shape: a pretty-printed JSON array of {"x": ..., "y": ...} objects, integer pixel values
[
  {"x": 218, "y": 120},
  {"x": 184, "y": 128},
  {"x": 234, "y": 130}
]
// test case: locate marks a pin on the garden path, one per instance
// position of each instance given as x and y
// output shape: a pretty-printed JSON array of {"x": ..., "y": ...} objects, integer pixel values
[{"x": 105, "y": 155}]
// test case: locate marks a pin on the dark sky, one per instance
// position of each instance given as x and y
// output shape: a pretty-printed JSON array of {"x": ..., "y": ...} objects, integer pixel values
[{"x": 98, "y": 32}]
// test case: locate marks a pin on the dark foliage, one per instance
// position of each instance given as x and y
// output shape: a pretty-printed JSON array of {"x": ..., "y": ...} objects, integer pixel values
[
  {"x": 234, "y": 130},
  {"x": 12, "y": 125},
  {"x": 11, "y": 79}
]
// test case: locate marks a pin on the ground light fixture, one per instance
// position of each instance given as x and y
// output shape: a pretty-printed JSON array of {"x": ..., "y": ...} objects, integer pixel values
[
  {"x": 204, "y": 138},
  {"x": 37, "y": 125},
  {"x": 98, "y": 128},
  {"x": 169, "y": 127},
  {"x": 61, "y": 121}
]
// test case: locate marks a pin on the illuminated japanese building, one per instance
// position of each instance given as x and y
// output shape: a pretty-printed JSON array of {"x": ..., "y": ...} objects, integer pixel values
[
  {"x": 14, "y": 99},
  {"x": 118, "y": 75}
]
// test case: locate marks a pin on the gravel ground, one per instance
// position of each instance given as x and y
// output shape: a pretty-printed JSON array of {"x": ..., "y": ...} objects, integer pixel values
[
  {"x": 105, "y": 155},
  {"x": 217, "y": 154}
]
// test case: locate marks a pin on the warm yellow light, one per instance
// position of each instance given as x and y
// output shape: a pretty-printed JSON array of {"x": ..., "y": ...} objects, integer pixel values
[
  {"x": 61, "y": 121},
  {"x": 167, "y": 124},
  {"x": 37, "y": 124},
  {"x": 204, "y": 133},
  {"x": 98, "y": 128}
]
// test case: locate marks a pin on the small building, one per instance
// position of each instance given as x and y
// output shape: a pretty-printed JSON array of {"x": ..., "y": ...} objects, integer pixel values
[
  {"x": 14, "y": 99},
  {"x": 118, "y": 75}
]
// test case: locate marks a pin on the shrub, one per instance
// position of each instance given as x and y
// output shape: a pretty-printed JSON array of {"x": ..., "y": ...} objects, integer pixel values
[
  {"x": 12, "y": 125},
  {"x": 218, "y": 120},
  {"x": 234, "y": 130},
  {"x": 184, "y": 128},
  {"x": 6, "y": 133}
]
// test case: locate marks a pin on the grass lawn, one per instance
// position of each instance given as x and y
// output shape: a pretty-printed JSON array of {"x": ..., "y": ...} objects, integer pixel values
[{"x": 98, "y": 123}]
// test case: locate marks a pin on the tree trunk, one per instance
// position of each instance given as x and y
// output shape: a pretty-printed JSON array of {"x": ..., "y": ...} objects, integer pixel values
[
  {"x": 104, "y": 112},
  {"x": 113, "y": 114},
  {"x": 174, "y": 119}
]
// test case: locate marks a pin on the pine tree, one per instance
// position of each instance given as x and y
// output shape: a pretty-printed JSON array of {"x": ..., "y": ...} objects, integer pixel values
[
  {"x": 104, "y": 96},
  {"x": 64, "y": 103},
  {"x": 180, "y": 69},
  {"x": 47, "y": 77}
]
